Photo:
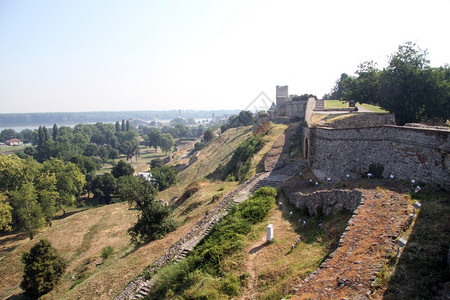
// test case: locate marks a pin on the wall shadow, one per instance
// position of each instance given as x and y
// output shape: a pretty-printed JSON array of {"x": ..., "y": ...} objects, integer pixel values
[{"x": 422, "y": 266}]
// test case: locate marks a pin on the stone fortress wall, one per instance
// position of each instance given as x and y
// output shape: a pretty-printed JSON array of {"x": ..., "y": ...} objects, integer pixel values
[
  {"x": 286, "y": 110},
  {"x": 414, "y": 152},
  {"x": 326, "y": 201}
]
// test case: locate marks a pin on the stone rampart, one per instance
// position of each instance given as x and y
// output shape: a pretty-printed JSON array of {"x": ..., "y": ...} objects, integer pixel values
[
  {"x": 406, "y": 152},
  {"x": 358, "y": 120},
  {"x": 329, "y": 202}
]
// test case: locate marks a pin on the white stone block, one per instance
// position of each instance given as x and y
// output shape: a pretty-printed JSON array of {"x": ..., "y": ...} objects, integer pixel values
[{"x": 269, "y": 232}]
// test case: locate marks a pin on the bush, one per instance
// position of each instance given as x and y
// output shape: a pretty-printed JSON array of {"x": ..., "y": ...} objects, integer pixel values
[
  {"x": 240, "y": 162},
  {"x": 107, "y": 252},
  {"x": 198, "y": 276},
  {"x": 43, "y": 269}
]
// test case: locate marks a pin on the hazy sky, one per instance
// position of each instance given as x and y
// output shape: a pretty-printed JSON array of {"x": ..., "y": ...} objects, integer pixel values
[{"x": 154, "y": 55}]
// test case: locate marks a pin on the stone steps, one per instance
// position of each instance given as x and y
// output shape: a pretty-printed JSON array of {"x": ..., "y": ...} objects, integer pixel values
[
  {"x": 142, "y": 293},
  {"x": 320, "y": 105}
]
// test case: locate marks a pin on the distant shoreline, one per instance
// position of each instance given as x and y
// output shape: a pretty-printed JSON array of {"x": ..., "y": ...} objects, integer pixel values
[{"x": 34, "y": 120}]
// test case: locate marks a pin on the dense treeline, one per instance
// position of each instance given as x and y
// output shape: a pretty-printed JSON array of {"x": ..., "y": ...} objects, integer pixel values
[
  {"x": 408, "y": 86},
  {"x": 13, "y": 119},
  {"x": 98, "y": 141},
  {"x": 31, "y": 193}
]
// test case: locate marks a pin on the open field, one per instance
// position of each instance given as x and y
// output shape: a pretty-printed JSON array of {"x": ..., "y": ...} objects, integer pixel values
[
  {"x": 11, "y": 149},
  {"x": 338, "y": 104}
]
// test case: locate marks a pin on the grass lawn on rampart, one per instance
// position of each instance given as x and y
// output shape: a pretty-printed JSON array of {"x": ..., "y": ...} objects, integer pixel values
[{"x": 338, "y": 104}]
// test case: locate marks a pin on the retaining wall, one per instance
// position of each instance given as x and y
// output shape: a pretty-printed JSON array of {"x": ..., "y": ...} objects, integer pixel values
[
  {"x": 329, "y": 202},
  {"x": 406, "y": 152}
]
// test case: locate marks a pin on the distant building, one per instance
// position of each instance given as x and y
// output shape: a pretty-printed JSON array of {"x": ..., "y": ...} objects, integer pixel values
[
  {"x": 147, "y": 175},
  {"x": 14, "y": 142},
  {"x": 285, "y": 110}
]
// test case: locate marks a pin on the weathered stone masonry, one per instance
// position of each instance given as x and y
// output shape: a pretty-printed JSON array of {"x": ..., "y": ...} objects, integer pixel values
[
  {"x": 406, "y": 152},
  {"x": 329, "y": 202}
]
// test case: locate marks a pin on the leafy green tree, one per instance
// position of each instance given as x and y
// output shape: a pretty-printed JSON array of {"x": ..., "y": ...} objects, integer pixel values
[
  {"x": 90, "y": 150},
  {"x": 27, "y": 210},
  {"x": 55, "y": 132},
  {"x": 47, "y": 195},
  {"x": 117, "y": 126},
  {"x": 104, "y": 187},
  {"x": 70, "y": 181},
  {"x": 44, "y": 267},
  {"x": 5, "y": 214},
  {"x": 167, "y": 142},
  {"x": 155, "y": 218},
  {"x": 156, "y": 163},
  {"x": 153, "y": 138},
  {"x": 164, "y": 176},
  {"x": 122, "y": 169},
  {"x": 338, "y": 90},
  {"x": 30, "y": 151},
  {"x": 14, "y": 172},
  {"x": 27, "y": 135},
  {"x": 113, "y": 153},
  {"x": 408, "y": 87},
  {"x": 84, "y": 164},
  {"x": 208, "y": 136},
  {"x": 7, "y": 134}
]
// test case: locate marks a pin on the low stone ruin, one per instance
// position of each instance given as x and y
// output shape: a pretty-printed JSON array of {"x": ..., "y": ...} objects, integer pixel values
[{"x": 328, "y": 202}]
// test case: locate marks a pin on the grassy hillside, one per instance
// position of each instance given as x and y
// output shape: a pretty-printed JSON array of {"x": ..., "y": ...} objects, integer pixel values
[{"x": 81, "y": 235}]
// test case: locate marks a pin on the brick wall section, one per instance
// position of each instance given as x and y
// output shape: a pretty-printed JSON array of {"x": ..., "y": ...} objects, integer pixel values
[
  {"x": 406, "y": 152},
  {"x": 330, "y": 201}
]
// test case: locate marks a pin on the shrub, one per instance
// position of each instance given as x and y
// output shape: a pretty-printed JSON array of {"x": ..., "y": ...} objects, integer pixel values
[
  {"x": 43, "y": 269},
  {"x": 107, "y": 252}
]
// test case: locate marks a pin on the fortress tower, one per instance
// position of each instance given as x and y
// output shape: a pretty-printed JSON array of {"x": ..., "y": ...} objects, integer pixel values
[{"x": 282, "y": 95}]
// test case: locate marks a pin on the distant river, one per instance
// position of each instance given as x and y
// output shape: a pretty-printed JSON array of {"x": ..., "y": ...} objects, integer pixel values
[{"x": 36, "y": 126}]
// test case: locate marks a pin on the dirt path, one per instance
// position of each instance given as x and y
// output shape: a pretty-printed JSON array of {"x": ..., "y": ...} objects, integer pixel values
[{"x": 350, "y": 271}]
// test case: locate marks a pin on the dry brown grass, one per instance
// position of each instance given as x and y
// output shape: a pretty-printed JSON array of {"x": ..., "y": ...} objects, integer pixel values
[
  {"x": 273, "y": 270},
  {"x": 81, "y": 235}
]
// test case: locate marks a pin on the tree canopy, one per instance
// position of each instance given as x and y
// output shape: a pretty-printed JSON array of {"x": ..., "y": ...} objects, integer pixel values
[
  {"x": 44, "y": 266},
  {"x": 408, "y": 86},
  {"x": 154, "y": 219}
]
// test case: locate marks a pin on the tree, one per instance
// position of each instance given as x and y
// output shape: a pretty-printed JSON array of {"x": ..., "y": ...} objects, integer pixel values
[
  {"x": 47, "y": 195},
  {"x": 156, "y": 163},
  {"x": 44, "y": 266},
  {"x": 153, "y": 138},
  {"x": 27, "y": 210},
  {"x": 5, "y": 214},
  {"x": 7, "y": 134},
  {"x": 155, "y": 218},
  {"x": 337, "y": 91},
  {"x": 208, "y": 135},
  {"x": 69, "y": 181},
  {"x": 55, "y": 132},
  {"x": 122, "y": 169},
  {"x": 167, "y": 142},
  {"x": 164, "y": 176},
  {"x": 408, "y": 87},
  {"x": 117, "y": 125},
  {"x": 90, "y": 150}
]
